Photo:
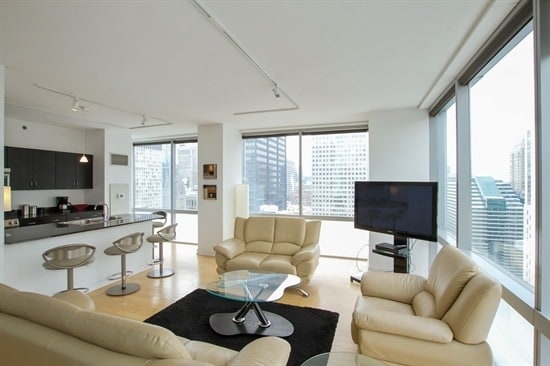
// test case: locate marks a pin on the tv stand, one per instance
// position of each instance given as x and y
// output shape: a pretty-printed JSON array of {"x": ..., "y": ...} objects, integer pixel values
[
  {"x": 399, "y": 251},
  {"x": 356, "y": 277}
]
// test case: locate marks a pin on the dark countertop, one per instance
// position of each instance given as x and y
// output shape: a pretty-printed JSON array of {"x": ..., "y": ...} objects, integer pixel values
[{"x": 34, "y": 232}]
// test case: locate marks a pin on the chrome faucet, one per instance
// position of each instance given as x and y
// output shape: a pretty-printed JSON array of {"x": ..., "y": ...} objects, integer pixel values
[{"x": 106, "y": 210}]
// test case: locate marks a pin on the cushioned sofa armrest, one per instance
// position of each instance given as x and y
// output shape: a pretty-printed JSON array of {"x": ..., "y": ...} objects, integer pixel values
[
  {"x": 230, "y": 248},
  {"x": 266, "y": 351},
  {"x": 305, "y": 254},
  {"x": 402, "y": 287},
  {"x": 412, "y": 326}
]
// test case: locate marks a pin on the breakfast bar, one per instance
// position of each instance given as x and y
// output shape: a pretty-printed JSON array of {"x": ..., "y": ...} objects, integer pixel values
[{"x": 24, "y": 247}]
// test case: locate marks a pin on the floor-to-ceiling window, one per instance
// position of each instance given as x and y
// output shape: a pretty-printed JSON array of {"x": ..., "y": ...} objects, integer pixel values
[
  {"x": 502, "y": 161},
  {"x": 311, "y": 174},
  {"x": 500, "y": 115},
  {"x": 447, "y": 177},
  {"x": 165, "y": 178}
]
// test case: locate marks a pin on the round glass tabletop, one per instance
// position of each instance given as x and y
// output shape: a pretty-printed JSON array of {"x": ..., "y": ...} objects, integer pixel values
[
  {"x": 249, "y": 286},
  {"x": 341, "y": 359}
]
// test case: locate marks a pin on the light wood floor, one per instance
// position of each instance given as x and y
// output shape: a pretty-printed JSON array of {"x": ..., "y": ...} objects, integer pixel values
[{"x": 330, "y": 289}]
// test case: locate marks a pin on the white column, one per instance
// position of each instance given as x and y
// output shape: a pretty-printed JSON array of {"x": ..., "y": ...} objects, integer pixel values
[{"x": 220, "y": 145}]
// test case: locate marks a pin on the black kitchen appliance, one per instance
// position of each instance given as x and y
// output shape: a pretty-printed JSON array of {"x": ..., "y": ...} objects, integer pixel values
[{"x": 63, "y": 203}]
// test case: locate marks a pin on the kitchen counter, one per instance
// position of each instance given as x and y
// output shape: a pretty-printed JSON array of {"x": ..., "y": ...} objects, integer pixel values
[{"x": 34, "y": 232}]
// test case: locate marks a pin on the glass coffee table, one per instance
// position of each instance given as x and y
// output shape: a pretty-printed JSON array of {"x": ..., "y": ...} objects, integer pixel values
[
  {"x": 342, "y": 359},
  {"x": 251, "y": 288}
]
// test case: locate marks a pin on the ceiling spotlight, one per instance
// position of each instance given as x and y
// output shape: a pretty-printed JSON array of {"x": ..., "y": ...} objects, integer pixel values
[
  {"x": 76, "y": 104},
  {"x": 277, "y": 92}
]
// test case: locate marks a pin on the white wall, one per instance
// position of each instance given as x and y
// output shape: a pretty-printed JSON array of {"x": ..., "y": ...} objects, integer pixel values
[
  {"x": 117, "y": 142},
  {"x": 399, "y": 150},
  {"x": 221, "y": 145},
  {"x": 210, "y": 219},
  {"x": 232, "y": 176}
]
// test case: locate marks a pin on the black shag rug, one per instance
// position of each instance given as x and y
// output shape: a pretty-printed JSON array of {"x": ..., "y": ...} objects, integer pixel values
[{"x": 189, "y": 317}]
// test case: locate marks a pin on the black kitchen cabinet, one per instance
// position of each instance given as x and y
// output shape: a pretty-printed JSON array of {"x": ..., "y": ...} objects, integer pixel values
[
  {"x": 30, "y": 168},
  {"x": 70, "y": 173}
]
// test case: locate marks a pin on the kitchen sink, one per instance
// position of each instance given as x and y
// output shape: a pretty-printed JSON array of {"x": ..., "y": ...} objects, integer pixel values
[
  {"x": 91, "y": 221},
  {"x": 82, "y": 222}
]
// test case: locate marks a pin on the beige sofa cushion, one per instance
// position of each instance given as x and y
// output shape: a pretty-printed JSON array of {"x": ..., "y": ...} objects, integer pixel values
[
  {"x": 290, "y": 233},
  {"x": 117, "y": 334},
  {"x": 258, "y": 234},
  {"x": 450, "y": 271}
]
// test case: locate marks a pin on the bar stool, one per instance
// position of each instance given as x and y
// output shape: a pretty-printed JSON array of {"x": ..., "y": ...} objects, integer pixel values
[
  {"x": 157, "y": 223},
  {"x": 166, "y": 234},
  {"x": 125, "y": 245},
  {"x": 69, "y": 257}
]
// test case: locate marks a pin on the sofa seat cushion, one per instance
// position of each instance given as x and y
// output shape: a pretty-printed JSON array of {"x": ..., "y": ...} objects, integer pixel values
[
  {"x": 387, "y": 316},
  {"x": 399, "y": 350},
  {"x": 279, "y": 264},
  {"x": 249, "y": 260},
  {"x": 366, "y": 304}
]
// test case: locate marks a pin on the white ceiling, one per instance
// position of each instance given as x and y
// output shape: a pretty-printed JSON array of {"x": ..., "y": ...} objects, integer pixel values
[{"x": 335, "y": 61}]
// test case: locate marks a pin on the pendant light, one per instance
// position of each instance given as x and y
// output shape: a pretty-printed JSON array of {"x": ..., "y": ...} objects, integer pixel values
[{"x": 83, "y": 158}]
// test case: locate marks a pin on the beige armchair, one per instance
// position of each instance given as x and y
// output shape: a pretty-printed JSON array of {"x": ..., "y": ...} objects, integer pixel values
[
  {"x": 274, "y": 244},
  {"x": 442, "y": 320}
]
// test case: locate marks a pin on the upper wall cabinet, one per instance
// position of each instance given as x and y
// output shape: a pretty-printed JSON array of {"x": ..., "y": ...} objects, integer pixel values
[
  {"x": 70, "y": 173},
  {"x": 30, "y": 168},
  {"x": 42, "y": 169}
]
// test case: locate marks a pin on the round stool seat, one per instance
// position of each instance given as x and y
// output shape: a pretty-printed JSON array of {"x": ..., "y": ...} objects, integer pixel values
[
  {"x": 113, "y": 251},
  {"x": 155, "y": 238},
  {"x": 68, "y": 257},
  {"x": 157, "y": 224},
  {"x": 77, "y": 298}
]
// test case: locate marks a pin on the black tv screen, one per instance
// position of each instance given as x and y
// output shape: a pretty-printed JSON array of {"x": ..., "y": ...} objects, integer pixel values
[{"x": 406, "y": 209}]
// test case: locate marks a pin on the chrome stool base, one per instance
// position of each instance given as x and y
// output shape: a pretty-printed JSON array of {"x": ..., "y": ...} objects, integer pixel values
[
  {"x": 158, "y": 273},
  {"x": 118, "y": 290}
]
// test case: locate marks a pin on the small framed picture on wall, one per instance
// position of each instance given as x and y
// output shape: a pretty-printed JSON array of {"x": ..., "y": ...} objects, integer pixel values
[
  {"x": 210, "y": 171},
  {"x": 209, "y": 192}
]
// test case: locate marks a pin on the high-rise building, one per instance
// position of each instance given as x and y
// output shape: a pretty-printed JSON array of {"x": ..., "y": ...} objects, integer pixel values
[
  {"x": 266, "y": 173},
  {"x": 149, "y": 168},
  {"x": 338, "y": 160},
  {"x": 497, "y": 223},
  {"x": 186, "y": 176}
]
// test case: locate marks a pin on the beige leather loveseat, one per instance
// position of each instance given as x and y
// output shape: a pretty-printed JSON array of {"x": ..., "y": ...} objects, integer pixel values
[
  {"x": 440, "y": 320},
  {"x": 273, "y": 244},
  {"x": 40, "y": 330}
]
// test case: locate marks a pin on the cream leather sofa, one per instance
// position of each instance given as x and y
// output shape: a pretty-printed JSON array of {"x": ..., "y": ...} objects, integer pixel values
[
  {"x": 40, "y": 330},
  {"x": 406, "y": 319},
  {"x": 273, "y": 244}
]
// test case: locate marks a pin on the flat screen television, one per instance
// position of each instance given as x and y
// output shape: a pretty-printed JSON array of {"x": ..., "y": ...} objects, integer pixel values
[{"x": 402, "y": 209}]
